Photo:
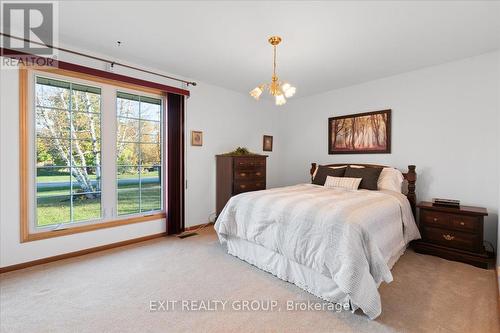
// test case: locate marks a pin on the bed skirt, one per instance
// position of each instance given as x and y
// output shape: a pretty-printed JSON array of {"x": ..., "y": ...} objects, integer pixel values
[{"x": 290, "y": 271}]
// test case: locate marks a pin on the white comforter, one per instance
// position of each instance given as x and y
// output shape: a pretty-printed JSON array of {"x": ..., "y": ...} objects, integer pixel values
[{"x": 348, "y": 236}]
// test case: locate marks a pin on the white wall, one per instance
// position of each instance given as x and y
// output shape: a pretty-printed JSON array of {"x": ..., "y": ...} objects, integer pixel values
[
  {"x": 444, "y": 120},
  {"x": 228, "y": 119}
]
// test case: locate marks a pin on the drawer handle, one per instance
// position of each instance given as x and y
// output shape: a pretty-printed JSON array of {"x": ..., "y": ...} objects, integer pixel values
[
  {"x": 257, "y": 173},
  {"x": 243, "y": 174},
  {"x": 462, "y": 223},
  {"x": 448, "y": 237},
  {"x": 435, "y": 219},
  {"x": 243, "y": 186}
]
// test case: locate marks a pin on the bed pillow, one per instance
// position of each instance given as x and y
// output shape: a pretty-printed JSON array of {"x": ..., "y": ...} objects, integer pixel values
[
  {"x": 342, "y": 182},
  {"x": 324, "y": 171},
  {"x": 390, "y": 179},
  {"x": 331, "y": 167},
  {"x": 369, "y": 176}
]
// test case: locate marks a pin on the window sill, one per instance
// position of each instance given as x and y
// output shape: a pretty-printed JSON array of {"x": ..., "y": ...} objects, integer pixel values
[{"x": 29, "y": 237}]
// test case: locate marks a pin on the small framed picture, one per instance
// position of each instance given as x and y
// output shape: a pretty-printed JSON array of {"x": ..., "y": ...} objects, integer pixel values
[
  {"x": 267, "y": 143},
  {"x": 196, "y": 138}
]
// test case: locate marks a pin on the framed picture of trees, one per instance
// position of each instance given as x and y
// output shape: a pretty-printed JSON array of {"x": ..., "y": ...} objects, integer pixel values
[{"x": 360, "y": 133}]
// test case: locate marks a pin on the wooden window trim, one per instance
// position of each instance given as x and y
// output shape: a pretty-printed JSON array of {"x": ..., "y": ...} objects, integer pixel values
[
  {"x": 26, "y": 234},
  {"x": 28, "y": 59},
  {"x": 28, "y": 237},
  {"x": 98, "y": 79}
]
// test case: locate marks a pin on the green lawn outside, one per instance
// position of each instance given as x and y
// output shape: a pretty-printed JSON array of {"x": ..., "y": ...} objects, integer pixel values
[
  {"x": 64, "y": 177},
  {"x": 55, "y": 210}
]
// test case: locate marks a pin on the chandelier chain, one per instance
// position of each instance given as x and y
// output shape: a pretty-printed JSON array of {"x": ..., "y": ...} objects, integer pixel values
[{"x": 274, "y": 62}]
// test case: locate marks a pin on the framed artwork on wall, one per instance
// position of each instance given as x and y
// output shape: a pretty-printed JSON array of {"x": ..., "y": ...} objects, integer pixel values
[
  {"x": 360, "y": 133},
  {"x": 196, "y": 138},
  {"x": 267, "y": 143}
]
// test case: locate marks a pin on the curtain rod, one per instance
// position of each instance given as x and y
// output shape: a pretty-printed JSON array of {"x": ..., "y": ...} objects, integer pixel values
[{"x": 112, "y": 63}]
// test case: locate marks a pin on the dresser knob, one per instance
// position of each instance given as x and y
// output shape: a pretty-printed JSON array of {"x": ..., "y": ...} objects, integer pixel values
[
  {"x": 462, "y": 223},
  {"x": 448, "y": 237},
  {"x": 435, "y": 219},
  {"x": 243, "y": 186},
  {"x": 257, "y": 173},
  {"x": 243, "y": 174}
]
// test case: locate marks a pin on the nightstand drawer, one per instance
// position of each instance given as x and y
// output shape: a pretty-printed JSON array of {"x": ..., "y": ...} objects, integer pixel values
[
  {"x": 451, "y": 238},
  {"x": 434, "y": 219},
  {"x": 465, "y": 223}
]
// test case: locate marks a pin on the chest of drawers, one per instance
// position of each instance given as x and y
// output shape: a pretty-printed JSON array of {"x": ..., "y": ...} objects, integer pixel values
[
  {"x": 237, "y": 174},
  {"x": 453, "y": 233}
]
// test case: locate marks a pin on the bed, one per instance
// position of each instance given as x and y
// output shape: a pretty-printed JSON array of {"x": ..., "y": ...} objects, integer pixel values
[{"x": 339, "y": 245}]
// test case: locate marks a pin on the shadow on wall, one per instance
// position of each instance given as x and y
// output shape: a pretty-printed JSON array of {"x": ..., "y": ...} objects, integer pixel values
[
  {"x": 424, "y": 179},
  {"x": 491, "y": 227}
]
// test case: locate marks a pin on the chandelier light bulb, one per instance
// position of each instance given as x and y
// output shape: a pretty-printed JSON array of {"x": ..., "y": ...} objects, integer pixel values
[
  {"x": 255, "y": 93},
  {"x": 290, "y": 91},
  {"x": 280, "y": 100}
]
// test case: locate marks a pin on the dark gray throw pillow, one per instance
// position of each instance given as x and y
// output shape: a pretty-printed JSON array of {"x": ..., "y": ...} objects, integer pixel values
[
  {"x": 324, "y": 171},
  {"x": 369, "y": 176}
]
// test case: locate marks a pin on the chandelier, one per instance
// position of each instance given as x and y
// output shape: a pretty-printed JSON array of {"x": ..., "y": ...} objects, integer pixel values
[{"x": 280, "y": 90}]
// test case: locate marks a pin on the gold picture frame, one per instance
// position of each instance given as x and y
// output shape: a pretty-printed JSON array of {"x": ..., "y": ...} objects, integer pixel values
[{"x": 197, "y": 138}]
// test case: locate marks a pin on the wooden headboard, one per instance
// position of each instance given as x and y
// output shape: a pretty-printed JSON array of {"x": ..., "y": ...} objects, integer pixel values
[{"x": 410, "y": 176}]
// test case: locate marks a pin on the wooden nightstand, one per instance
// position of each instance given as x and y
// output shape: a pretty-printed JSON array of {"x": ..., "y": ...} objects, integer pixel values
[{"x": 453, "y": 233}]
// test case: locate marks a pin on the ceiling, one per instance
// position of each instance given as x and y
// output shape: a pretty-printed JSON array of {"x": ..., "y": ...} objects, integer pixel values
[{"x": 326, "y": 45}]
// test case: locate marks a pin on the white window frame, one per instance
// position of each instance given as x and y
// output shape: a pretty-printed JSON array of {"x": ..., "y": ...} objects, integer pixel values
[{"x": 162, "y": 152}]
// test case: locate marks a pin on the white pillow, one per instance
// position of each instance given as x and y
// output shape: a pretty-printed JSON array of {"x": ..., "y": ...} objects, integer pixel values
[
  {"x": 390, "y": 179},
  {"x": 343, "y": 182}
]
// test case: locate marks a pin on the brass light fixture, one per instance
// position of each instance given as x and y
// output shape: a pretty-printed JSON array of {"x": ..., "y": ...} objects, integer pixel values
[{"x": 280, "y": 90}]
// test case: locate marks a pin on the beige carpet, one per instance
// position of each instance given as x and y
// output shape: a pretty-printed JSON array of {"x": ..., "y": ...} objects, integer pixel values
[{"x": 111, "y": 292}]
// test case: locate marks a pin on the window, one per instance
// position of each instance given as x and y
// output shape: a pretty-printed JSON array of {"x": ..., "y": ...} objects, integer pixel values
[
  {"x": 68, "y": 152},
  {"x": 138, "y": 150},
  {"x": 97, "y": 154}
]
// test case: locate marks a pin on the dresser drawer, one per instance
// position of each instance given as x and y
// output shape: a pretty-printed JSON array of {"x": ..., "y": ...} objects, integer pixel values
[
  {"x": 246, "y": 186},
  {"x": 452, "y": 238},
  {"x": 434, "y": 219},
  {"x": 258, "y": 173},
  {"x": 248, "y": 163},
  {"x": 465, "y": 223}
]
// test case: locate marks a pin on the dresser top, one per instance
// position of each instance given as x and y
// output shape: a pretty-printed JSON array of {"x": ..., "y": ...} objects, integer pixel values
[
  {"x": 245, "y": 156},
  {"x": 469, "y": 210}
]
